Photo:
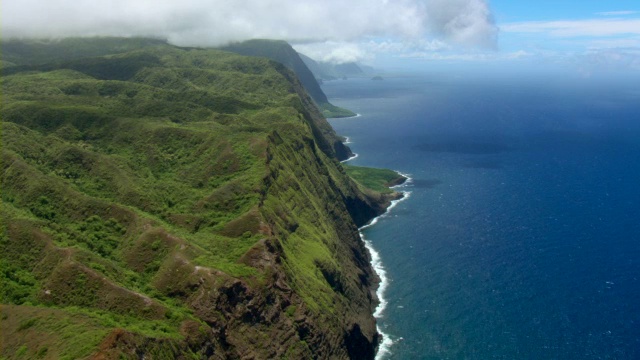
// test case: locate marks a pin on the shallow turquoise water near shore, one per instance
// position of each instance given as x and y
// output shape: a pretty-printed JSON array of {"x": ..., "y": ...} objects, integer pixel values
[{"x": 521, "y": 237}]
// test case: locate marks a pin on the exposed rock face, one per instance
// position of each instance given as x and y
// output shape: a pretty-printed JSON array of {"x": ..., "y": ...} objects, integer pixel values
[{"x": 258, "y": 256}]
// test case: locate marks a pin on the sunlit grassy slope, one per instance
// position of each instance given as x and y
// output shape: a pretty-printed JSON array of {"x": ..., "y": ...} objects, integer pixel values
[
  {"x": 188, "y": 196},
  {"x": 283, "y": 53},
  {"x": 379, "y": 180}
]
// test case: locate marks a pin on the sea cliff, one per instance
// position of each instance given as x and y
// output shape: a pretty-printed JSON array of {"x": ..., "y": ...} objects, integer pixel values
[{"x": 163, "y": 202}]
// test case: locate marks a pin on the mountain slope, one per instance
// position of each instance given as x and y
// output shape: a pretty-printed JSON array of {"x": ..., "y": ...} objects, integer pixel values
[
  {"x": 283, "y": 53},
  {"x": 35, "y": 52},
  {"x": 327, "y": 71},
  {"x": 166, "y": 202}
]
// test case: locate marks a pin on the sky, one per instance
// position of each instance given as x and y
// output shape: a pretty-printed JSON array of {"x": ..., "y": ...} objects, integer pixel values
[{"x": 585, "y": 35}]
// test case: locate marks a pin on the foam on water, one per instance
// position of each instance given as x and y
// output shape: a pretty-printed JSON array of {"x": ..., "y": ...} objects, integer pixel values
[
  {"x": 405, "y": 195},
  {"x": 407, "y": 182},
  {"x": 523, "y": 208},
  {"x": 378, "y": 267},
  {"x": 351, "y": 158},
  {"x": 346, "y": 117},
  {"x": 386, "y": 343}
]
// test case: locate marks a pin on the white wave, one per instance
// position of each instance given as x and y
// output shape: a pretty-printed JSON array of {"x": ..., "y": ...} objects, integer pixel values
[
  {"x": 409, "y": 180},
  {"x": 345, "y": 117},
  {"x": 385, "y": 345},
  {"x": 376, "y": 263},
  {"x": 347, "y": 140},
  {"x": 382, "y": 274},
  {"x": 394, "y": 203},
  {"x": 384, "y": 348},
  {"x": 349, "y": 159}
]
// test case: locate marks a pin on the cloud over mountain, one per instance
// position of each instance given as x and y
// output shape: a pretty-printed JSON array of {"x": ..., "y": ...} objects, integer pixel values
[{"x": 216, "y": 22}]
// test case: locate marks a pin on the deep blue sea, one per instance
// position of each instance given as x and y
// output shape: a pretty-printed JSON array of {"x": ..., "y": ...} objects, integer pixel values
[{"x": 520, "y": 238}]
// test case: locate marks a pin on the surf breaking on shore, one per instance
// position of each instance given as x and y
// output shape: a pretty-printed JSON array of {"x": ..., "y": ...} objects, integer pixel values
[
  {"x": 349, "y": 159},
  {"x": 385, "y": 346}
]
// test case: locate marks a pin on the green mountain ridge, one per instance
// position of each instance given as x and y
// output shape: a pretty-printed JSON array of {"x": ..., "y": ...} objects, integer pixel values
[
  {"x": 37, "y": 52},
  {"x": 176, "y": 203},
  {"x": 325, "y": 71},
  {"x": 283, "y": 53}
]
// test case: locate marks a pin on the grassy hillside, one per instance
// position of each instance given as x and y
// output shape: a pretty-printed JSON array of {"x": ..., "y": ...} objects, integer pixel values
[
  {"x": 162, "y": 201},
  {"x": 283, "y": 53},
  {"x": 374, "y": 179},
  {"x": 34, "y": 52}
]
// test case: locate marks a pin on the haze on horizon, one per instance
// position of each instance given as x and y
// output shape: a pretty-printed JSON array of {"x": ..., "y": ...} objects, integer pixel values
[{"x": 584, "y": 36}]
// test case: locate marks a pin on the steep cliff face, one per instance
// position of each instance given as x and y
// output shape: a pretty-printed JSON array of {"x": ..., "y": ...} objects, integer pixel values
[
  {"x": 324, "y": 134},
  {"x": 328, "y": 71},
  {"x": 280, "y": 51},
  {"x": 283, "y": 53},
  {"x": 167, "y": 203}
]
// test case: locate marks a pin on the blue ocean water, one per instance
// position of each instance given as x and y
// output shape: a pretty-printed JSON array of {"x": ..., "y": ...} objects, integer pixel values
[{"x": 521, "y": 236}]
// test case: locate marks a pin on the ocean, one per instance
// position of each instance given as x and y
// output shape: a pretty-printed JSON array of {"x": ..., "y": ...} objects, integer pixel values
[{"x": 520, "y": 234}]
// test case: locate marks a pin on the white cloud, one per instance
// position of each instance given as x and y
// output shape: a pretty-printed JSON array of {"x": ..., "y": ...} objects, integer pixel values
[
  {"x": 614, "y": 43},
  {"x": 577, "y": 28},
  {"x": 334, "y": 51},
  {"x": 466, "y": 21},
  {"x": 617, "y": 13},
  {"x": 469, "y": 56},
  {"x": 215, "y": 22},
  {"x": 612, "y": 59},
  {"x": 343, "y": 52}
]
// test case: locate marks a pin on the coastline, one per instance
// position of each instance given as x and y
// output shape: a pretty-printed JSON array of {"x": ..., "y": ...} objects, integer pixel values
[
  {"x": 346, "y": 117},
  {"x": 351, "y": 158},
  {"x": 384, "y": 347},
  {"x": 386, "y": 342}
]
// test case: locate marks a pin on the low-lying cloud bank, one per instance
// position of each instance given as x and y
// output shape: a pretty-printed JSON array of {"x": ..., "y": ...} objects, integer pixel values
[{"x": 217, "y": 22}]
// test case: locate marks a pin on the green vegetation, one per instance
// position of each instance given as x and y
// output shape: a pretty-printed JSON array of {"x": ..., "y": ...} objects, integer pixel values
[
  {"x": 332, "y": 111},
  {"x": 61, "y": 334},
  {"x": 34, "y": 52},
  {"x": 283, "y": 53},
  {"x": 376, "y": 179},
  {"x": 159, "y": 200}
]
